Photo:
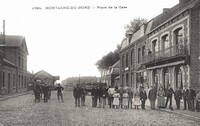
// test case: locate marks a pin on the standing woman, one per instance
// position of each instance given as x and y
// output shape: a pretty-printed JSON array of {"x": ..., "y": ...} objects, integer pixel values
[
  {"x": 198, "y": 101},
  {"x": 161, "y": 98},
  {"x": 137, "y": 99}
]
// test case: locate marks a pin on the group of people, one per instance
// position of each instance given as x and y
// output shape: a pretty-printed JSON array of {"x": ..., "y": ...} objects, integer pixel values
[
  {"x": 79, "y": 93},
  {"x": 40, "y": 88},
  {"x": 125, "y": 97}
]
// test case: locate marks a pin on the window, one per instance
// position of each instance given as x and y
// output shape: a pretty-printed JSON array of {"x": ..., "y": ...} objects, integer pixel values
[
  {"x": 19, "y": 62},
  {"x": 155, "y": 48},
  {"x": 143, "y": 52},
  {"x": 122, "y": 60},
  {"x": 155, "y": 78},
  {"x": 178, "y": 36},
  {"x": 126, "y": 60},
  {"x": 3, "y": 77},
  {"x": 131, "y": 79},
  {"x": 131, "y": 57},
  {"x": 127, "y": 79},
  {"x": 165, "y": 43},
  {"x": 22, "y": 80},
  {"x": 139, "y": 55},
  {"x": 13, "y": 80},
  {"x": 122, "y": 79},
  {"x": 19, "y": 81}
]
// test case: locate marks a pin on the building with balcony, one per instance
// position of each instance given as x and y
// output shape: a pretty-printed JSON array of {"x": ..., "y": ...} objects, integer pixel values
[{"x": 166, "y": 50}]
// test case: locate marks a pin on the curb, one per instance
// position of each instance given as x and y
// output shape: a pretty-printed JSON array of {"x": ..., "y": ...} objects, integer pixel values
[{"x": 13, "y": 96}]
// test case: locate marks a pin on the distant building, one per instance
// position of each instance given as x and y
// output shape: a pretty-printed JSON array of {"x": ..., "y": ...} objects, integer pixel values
[
  {"x": 110, "y": 75},
  {"x": 46, "y": 77}
]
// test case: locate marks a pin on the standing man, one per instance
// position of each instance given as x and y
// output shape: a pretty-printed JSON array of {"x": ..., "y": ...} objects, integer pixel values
[
  {"x": 77, "y": 95},
  {"x": 185, "y": 97},
  {"x": 104, "y": 95},
  {"x": 169, "y": 93},
  {"x": 178, "y": 97},
  {"x": 94, "y": 96},
  {"x": 143, "y": 97},
  {"x": 152, "y": 97},
  {"x": 99, "y": 94},
  {"x": 191, "y": 97},
  {"x": 60, "y": 89},
  {"x": 45, "y": 90},
  {"x": 83, "y": 94}
]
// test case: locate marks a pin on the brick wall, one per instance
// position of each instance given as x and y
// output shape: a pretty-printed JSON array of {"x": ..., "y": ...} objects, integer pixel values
[{"x": 194, "y": 48}]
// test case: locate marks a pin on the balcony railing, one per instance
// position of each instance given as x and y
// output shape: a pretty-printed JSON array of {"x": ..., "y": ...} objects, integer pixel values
[{"x": 173, "y": 51}]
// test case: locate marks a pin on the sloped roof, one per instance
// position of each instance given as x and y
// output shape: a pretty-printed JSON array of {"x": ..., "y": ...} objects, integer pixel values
[
  {"x": 117, "y": 64},
  {"x": 43, "y": 74},
  {"x": 171, "y": 12},
  {"x": 15, "y": 41}
]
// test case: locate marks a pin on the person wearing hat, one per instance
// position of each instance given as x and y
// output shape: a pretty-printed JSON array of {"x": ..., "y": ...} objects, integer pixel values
[
  {"x": 185, "y": 96},
  {"x": 60, "y": 89},
  {"x": 143, "y": 97},
  {"x": 191, "y": 97},
  {"x": 169, "y": 93},
  {"x": 152, "y": 97}
]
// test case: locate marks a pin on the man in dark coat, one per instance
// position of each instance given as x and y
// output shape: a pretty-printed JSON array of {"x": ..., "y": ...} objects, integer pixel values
[
  {"x": 99, "y": 94},
  {"x": 60, "y": 89},
  {"x": 152, "y": 97},
  {"x": 191, "y": 97},
  {"x": 94, "y": 96},
  {"x": 178, "y": 97},
  {"x": 169, "y": 93},
  {"x": 143, "y": 97},
  {"x": 185, "y": 97},
  {"x": 83, "y": 94},
  {"x": 77, "y": 95},
  {"x": 104, "y": 95},
  {"x": 45, "y": 90}
]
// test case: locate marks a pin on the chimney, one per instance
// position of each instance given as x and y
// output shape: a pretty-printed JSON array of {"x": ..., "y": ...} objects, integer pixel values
[
  {"x": 165, "y": 10},
  {"x": 3, "y": 27}
]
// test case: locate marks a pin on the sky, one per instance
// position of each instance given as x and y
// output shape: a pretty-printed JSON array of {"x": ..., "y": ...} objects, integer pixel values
[{"x": 67, "y": 42}]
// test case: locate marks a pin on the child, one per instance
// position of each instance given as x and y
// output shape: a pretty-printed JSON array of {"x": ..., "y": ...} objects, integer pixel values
[
  {"x": 116, "y": 96},
  {"x": 137, "y": 100},
  {"x": 125, "y": 99}
]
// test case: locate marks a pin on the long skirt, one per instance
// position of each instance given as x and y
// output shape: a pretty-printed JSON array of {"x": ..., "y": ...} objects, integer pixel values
[
  {"x": 161, "y": 101},
  {"x": 125, "y": 101},
  {"x": 116, "y": 101}
]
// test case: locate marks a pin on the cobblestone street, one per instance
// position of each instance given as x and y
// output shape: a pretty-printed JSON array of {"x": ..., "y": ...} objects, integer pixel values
[{"x": 23, "y": 111}]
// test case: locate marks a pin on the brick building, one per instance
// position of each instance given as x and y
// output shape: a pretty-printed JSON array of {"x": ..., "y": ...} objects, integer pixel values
[
  {"x": 165, "y": 50},
  {"x": 13, "y": 64}
]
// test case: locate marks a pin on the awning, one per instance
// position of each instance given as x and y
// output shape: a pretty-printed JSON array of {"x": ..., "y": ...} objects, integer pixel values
[{"x": 167, "y": 65}]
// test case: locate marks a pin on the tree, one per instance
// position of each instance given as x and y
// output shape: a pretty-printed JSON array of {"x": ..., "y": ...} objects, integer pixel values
[
  {"x": 108, "y": 60},
  {"x": 134, "y": 25}
]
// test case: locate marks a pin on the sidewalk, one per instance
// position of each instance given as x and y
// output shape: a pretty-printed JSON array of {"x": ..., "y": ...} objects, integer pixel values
[
  {"x": 191, "y": 114},
  {"x": 7, "y": 96}
]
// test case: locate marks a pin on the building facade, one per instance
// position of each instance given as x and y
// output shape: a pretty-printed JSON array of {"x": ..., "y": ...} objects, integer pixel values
[
  {"x": 167, "y": 51},
  {"x": 13, "y": 65}
]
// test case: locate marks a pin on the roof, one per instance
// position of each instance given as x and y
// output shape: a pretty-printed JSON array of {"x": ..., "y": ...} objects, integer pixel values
[
  {"x": 15, "y": 41},
  {"x": 170, "y": 13},
  {"x": 42, "y": 73},
  {"x": 117, "y": 64}
]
